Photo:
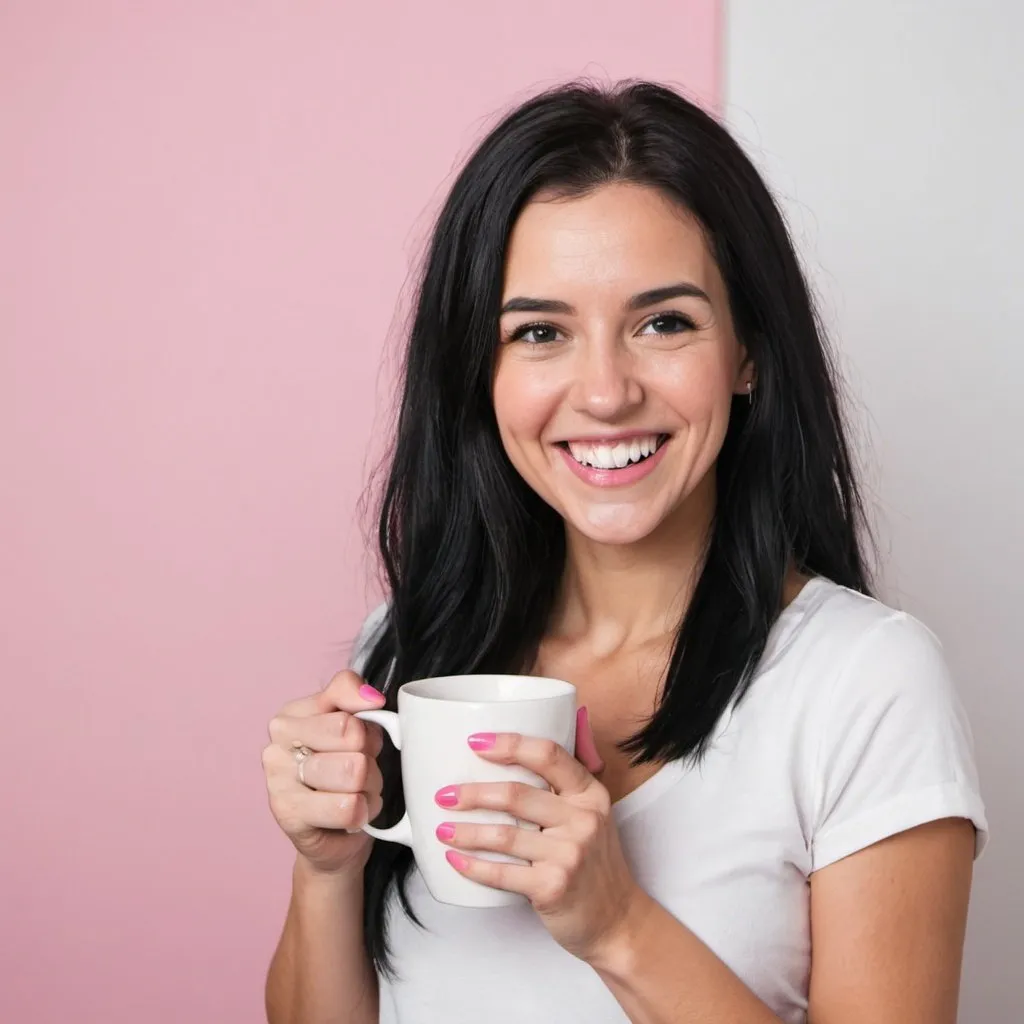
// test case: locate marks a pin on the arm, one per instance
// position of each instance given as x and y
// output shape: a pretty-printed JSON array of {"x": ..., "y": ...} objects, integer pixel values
[
  {"x": 661, "y": 973},
  {"x": 320, "y": 973},
  {"x": 887, "y": 927}
]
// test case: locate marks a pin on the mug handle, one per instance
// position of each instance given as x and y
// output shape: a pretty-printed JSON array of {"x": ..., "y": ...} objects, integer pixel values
[{"x": 402, "y": 832}]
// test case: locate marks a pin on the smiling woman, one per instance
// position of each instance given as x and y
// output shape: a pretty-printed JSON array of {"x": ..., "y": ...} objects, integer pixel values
[{"x": 620, "y": 461}]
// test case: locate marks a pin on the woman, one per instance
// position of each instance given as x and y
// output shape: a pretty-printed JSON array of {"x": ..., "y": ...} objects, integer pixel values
[{"x": 620, "y": 461}]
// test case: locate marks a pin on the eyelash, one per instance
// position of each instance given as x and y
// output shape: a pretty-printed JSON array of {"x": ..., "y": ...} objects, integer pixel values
[{"x": 523, "y": 329}]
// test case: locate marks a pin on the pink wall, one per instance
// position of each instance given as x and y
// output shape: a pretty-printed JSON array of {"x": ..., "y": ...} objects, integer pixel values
[{"x": 207, "y": 212}]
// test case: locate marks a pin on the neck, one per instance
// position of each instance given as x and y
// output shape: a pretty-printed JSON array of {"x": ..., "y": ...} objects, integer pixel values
[{"x": 626, "y": 595}]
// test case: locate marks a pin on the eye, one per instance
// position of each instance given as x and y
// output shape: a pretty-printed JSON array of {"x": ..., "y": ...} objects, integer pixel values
[
  {"x": 669, "y": 323},
  {"x": 542, "y": 333}
]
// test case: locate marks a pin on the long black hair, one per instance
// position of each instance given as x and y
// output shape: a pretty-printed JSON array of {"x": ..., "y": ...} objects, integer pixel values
[{"x": 473, "y": 557}]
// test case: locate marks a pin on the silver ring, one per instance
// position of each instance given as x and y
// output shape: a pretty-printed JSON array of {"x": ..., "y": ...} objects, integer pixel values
[{"x": 301, "y": 753}]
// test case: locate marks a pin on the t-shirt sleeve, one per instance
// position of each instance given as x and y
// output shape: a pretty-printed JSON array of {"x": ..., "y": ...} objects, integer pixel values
[
  {"x": 895, "y": 749},
  {"x": 367, "y": 636}
]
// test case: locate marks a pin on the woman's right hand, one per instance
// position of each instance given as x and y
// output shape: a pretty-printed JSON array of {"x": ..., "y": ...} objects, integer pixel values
[{"x": 342, "y": 781}]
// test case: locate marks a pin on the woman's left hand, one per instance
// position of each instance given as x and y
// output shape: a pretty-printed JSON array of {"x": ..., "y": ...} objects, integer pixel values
[{"x": 576, "y": 877}]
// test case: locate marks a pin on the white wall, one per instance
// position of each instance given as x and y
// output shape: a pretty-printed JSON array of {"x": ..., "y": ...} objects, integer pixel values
[{"x": 893, "y": 131}]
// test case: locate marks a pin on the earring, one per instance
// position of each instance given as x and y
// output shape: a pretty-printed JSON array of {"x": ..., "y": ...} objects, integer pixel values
[{"x": 750, "y": 392}]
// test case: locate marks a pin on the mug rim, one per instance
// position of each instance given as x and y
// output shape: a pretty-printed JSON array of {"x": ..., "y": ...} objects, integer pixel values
[{"x": 568, "y": 689}]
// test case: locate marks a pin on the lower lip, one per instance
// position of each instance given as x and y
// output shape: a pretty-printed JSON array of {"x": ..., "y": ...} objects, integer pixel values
[{"x": 614, "y": 477}]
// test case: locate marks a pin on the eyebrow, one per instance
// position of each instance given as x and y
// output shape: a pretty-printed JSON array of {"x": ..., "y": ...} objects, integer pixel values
[{"x": 684, "y": 289}]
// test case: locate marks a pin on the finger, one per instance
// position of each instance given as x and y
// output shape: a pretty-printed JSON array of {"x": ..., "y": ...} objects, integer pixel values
[
  {"x": 342, "y": 773},
  {"x": 334, "y": 811},
  {"x": 544, "y": 885},
  {"x": 525, "y": 843},
  {"x": 586, "y": 745},
  {"x": 551, "y": 761},
  {"x": 522, "y": 801},
  {"x": 335, "y": 731},
  {"x": 348, "y": 691},
  {"x": 284, "y": 778}
]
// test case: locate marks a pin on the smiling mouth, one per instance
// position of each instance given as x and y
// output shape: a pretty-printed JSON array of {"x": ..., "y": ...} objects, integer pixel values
[{"x": 618, "y": 455}]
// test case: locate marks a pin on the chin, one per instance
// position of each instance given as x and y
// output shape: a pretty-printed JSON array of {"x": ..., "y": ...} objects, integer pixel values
[{"x": 608, "y": 523}]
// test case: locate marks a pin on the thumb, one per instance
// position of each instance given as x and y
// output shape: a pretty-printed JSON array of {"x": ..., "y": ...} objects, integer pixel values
[{"x": 586, "y": 746}]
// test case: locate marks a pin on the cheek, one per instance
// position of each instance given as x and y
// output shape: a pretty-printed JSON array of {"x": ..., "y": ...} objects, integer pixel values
[
  {"x": 697, "y": 389},
  {"x": 525, "y": 398}
]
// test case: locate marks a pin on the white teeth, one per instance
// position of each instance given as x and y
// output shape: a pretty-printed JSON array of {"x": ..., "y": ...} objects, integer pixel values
[{"x": 614, "y": 456}]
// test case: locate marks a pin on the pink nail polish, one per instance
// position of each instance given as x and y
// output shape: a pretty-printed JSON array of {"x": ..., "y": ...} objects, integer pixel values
[
  {"x": 586, "y": 746},
  {"x": 456, "y": 860},
  {"x": 445, "y": 831},
  {"x": 447, "y": 797},
  {"x": 367, "y": 692},
  {"x": 482, "y": 740}
]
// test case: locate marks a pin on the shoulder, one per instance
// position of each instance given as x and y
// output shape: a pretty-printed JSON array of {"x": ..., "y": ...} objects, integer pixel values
[
  {"x": 887, "y": 741},
  {"x": 837, "y": 640},
  {"x": 849, "y": 660}
]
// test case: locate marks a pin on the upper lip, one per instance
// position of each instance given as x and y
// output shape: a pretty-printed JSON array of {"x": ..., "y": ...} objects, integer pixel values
[{"x": 625, "y": 435}]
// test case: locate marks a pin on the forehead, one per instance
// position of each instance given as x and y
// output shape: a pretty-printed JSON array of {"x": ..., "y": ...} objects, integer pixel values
[{"x": 619, "y": 236}]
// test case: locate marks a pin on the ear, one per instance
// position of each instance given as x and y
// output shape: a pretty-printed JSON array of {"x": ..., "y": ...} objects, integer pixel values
[{"x": 746, "y": 376}]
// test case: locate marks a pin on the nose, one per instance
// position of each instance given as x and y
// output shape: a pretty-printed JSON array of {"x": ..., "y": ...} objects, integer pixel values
[{"x": 606, "y": 384}]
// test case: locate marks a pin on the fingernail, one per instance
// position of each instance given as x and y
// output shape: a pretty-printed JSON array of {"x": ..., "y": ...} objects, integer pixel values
[
  {"x": 482, "y": 740},
  {"x": 447, "y": 797},
  {"x": 367, "y": 692},
  {"x": 586, "y": 745},
  {"x": 456, "y": 860},
  {"x": 445, "y": 831}
]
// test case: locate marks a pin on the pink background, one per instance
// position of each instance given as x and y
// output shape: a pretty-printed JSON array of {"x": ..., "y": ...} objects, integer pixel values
[{"x": 207, "y": 215}]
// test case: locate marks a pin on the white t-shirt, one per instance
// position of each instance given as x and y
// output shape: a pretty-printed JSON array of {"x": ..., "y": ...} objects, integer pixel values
[{"x": 852, "y": 731}]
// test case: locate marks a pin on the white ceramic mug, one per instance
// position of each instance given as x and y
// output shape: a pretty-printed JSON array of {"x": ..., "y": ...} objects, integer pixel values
[{"x": 434, "y": 721}]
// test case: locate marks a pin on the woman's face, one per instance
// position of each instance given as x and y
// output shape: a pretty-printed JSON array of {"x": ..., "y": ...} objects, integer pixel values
[{"x": 617, "y": 360}]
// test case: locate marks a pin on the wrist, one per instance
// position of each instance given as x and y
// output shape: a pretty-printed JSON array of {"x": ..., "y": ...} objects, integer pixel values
[
  {"x": 305, "y": 875},
  {"x": 619, "y": 951}
]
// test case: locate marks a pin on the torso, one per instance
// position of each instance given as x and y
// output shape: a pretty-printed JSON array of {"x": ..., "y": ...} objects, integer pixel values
[
  {"x": 727, "y": 846},
  {"x": 706, "y": 844}
]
